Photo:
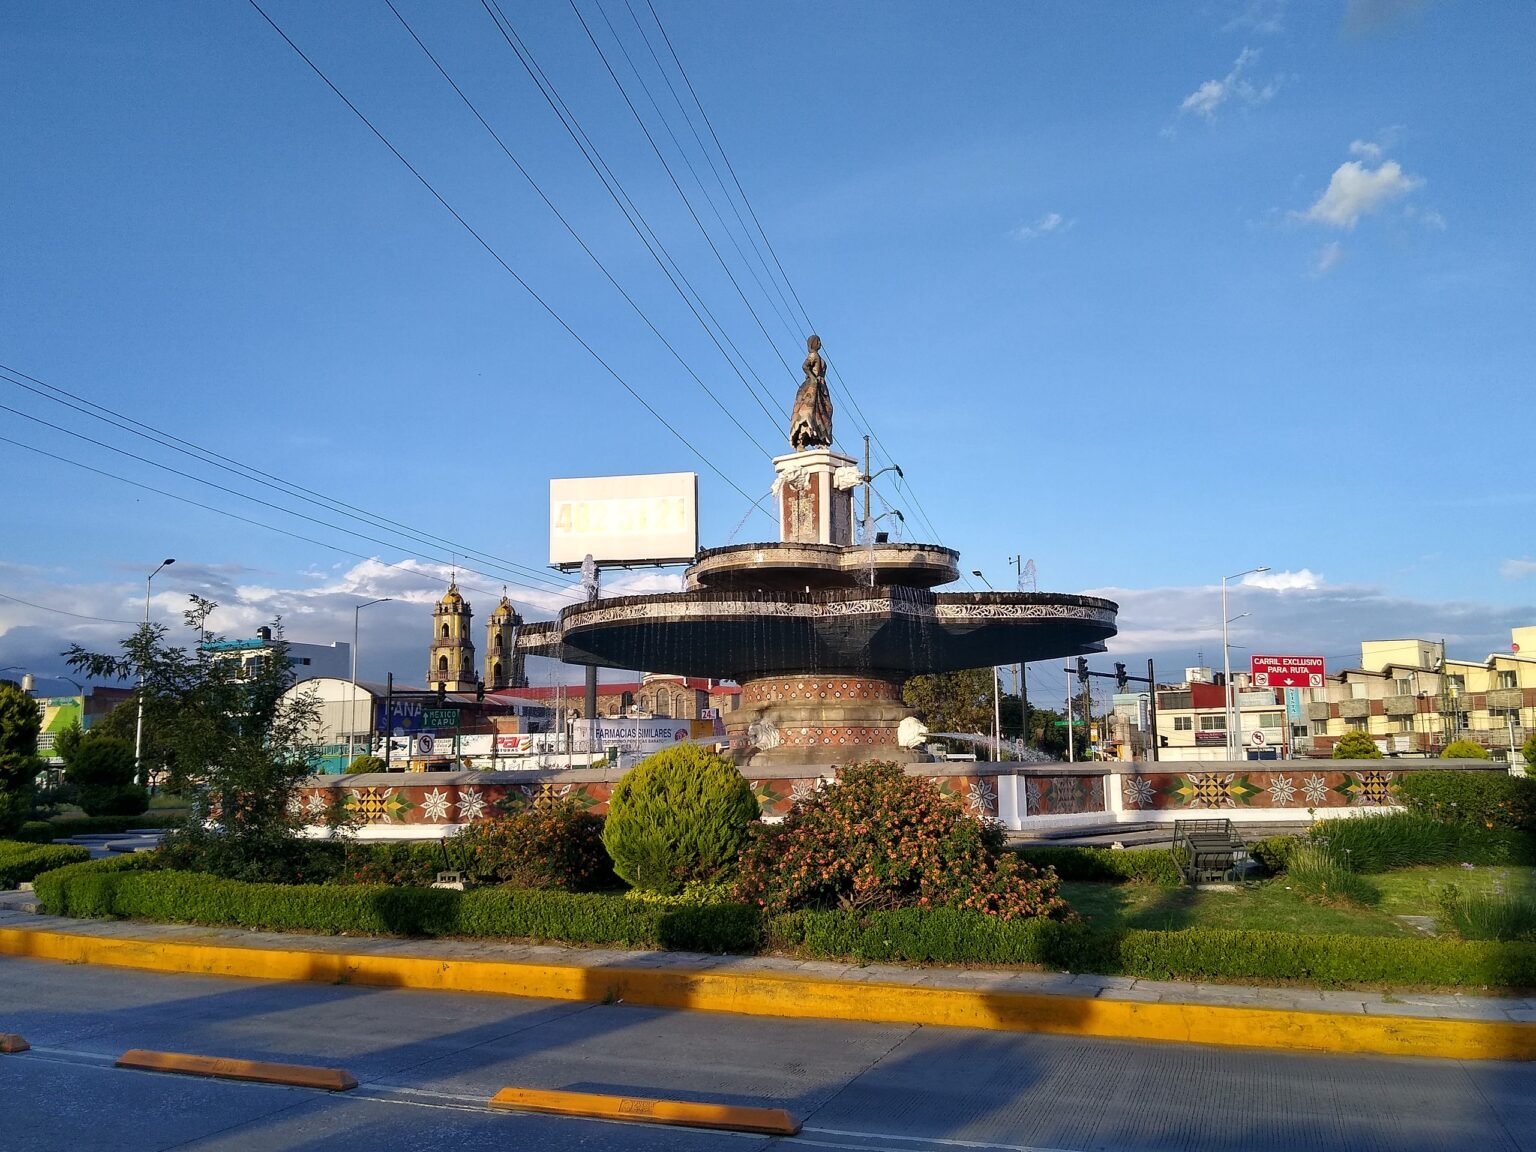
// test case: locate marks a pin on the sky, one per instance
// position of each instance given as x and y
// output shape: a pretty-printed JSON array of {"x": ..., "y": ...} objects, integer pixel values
[{"x": 1146, "y": 294}]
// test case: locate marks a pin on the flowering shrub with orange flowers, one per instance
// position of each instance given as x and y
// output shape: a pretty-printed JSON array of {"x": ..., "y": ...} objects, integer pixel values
[{"x": 880, "y": 839}]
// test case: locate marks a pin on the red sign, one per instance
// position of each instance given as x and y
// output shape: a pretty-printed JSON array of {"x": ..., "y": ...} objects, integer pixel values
[{"x": 1288, "y": 672}]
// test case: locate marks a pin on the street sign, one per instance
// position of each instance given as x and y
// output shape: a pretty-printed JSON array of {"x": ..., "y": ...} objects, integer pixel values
[
  {"x": 1256, "y": 738},
  {"x": 425, "y": 745},
  {"x": 439, "y": 717},
  {"x": 1288, "y": 671},
  {"x": 1063, "y": 723}
]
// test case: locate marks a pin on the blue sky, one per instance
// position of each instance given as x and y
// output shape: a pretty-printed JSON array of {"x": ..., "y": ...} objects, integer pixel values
[{"x": 1148, "y": 294}]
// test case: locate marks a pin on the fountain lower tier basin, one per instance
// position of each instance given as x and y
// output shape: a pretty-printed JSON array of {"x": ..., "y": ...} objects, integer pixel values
[{"x": 887, "y": 633}]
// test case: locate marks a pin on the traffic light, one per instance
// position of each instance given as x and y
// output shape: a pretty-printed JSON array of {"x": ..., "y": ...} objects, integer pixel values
[
  {"x": 480, "y": 691},
  {"x": 1120, "y": 676},
  {"x": 1082, "y": 669},
  {"x": 442, "y": 693}
]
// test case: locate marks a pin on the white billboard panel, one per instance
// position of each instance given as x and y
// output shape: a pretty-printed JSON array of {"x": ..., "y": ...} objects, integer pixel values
[{"x": 624, "y": 519}]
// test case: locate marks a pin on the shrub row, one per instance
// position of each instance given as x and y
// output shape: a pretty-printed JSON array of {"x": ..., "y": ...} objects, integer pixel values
[
  {"x": 21, "y": 862},
  {"x": 946, "y": 935},
  {"x": 1489, "y": 799},
  {"x": 1107, "y": 865},
  {"x": 64, "y": 826},
  {"x": 1384, "y": 841},
  {"x": 375, "y": 909}
]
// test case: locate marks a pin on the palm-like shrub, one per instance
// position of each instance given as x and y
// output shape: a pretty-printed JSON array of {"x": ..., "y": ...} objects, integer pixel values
[
  {"x": 880, "y": 839},
  {"x": 1356, "y": 745},
  {"x": 679, "y": 816},
  {"x": 1464, "y": 750}
]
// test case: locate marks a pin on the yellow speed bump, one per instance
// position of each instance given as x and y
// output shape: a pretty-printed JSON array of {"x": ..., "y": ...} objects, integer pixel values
[
  {"x": 225, "y": 1068},
  {"x": 730, "y": 1117},
  {"x": 11, "y": 1042}
]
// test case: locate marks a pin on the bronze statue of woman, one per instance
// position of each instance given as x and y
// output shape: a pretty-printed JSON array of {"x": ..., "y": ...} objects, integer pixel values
[{"x": 810, "y": 420}]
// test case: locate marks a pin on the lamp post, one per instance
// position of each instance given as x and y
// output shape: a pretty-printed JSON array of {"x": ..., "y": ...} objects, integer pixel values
[
  {"x": 352, "y": 708},
  {"x": 138, "y": 730},
  {"x": 997, "y": 704},
  {"x": 1229, "y": 696}
]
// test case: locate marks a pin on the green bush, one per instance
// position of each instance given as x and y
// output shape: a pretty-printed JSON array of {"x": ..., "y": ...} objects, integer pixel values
[
  {"x": 1383, "y": 841},
  {"x": 194, "y": 848},
  {"x": 1356, "y": 745},
  {"x": 1273, "y": 852},
  {"x": 87, "y": 825},
  {"x": 1106, "y": 865},
  {"x": 371, "y": 909},
  {"x": 100, "y": 774},
  {"x": 366, "y": 762},
  {"x": 413, "y": 863},
  {"x": 21, "y": 861},
  {"x": 679, "y": 815},
  {"x": 1492, "y": 799},
  {"x": 36, "y": 832},
  {"x": 1464, "y": 750},
  {"x": 549, "y": 844},
  {"x": 1495, "y": 915},
  {"x": 1528, "y": 750},
  {"x": 880, "y": 839}
]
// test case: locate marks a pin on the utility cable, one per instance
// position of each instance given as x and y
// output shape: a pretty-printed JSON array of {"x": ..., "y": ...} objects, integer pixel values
[
  {"x": 495, "y": 255},
  {"x": 62, "y": 612}
]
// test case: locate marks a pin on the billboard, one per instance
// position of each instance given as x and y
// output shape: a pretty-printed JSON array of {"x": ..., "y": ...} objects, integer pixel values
[
  {"x": 624, "y": 519},
  {"x": 630, "y": 735},
  {"x": 1288, "y": 671}
]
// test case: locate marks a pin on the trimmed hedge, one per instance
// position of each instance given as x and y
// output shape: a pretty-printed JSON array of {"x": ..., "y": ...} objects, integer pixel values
[
  {"x": 86, "y": 825},
  {"x": 21, "y": 862},
  {"x": 83, "y": 889},
  {"x": 1492, "y": 799},
  {"x": 1106, "y": 865},
  {"x": 374, "y": 909}
]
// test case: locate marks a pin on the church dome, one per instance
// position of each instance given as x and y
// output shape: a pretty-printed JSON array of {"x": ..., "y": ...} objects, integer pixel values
[{"x": 452, "y": 595}]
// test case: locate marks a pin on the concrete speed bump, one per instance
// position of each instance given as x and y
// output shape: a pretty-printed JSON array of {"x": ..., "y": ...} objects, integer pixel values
[
  {"x": 683, "y": 1113},
  {"x": 11, "y": 1042},
  {"x": 225, "y": 1068}
]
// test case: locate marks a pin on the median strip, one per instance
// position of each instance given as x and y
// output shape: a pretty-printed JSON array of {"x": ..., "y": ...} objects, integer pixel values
[
  {"x": 684, "y": 1113},
  {"x": 739, "y": 989},
  {"x": 226, "y": 1068}
]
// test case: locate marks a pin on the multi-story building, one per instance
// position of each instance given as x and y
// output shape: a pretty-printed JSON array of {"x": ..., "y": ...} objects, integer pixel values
[
  {"x": 306, "y": 660},
  {"x": 1192, "y": 720}
]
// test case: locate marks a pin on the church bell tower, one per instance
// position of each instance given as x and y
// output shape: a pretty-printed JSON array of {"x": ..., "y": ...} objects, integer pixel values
[
  {"x": 453, "y": 652},
  {"x": 503, "y": 662}
]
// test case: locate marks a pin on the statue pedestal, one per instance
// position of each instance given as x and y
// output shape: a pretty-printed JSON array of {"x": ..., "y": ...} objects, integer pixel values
[{"x": 813, "y": 509}]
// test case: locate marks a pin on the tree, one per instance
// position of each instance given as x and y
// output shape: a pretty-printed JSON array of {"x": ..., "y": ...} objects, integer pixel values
[
  {"x": 366, "y": 762},
  {"x": 1356, "y": 745},
  {"x": 952, "y": 701},
  {"x": 20, "y": 722},
  {"x": 225, "y": 736},
  {"x": 1464, "y": 750},
  {"x": 1528, "y": 750},
  {"x": 99, "y": 770}
]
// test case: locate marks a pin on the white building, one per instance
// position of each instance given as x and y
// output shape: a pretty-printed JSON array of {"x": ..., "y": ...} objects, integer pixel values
[{"x": 306, "y": 660}]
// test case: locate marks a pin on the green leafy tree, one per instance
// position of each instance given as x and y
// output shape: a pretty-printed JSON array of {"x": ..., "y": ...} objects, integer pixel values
[
  {"x": 1356, "y": 745},
  {"x": 1528, "y": 750},
  {"x": 99, "y": 772},
  {"x": 225, "y": 737},
  {"x": 68, "y": 740},
  {"x": 1464, "y": 750},
  {"x": 20, "y": 722},
  {"x": 952, "y": 701}
]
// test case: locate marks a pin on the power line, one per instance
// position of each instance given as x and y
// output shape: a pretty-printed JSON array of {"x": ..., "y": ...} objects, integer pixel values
[
  {"x": 495, "y": 255},
  {"x": 247, "y": 472},
  {"x": 62, "y": 612},
  {"x": 627, "y": 207},
  {"x": 574, "y": 234},
  {"x": 244, "y": 519}
]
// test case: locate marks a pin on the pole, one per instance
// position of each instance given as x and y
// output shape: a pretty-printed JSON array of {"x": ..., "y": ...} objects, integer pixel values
[
  {"x": 1024, "y": 702},
  {"x": 869, "y": 483},
  {"x": 1152, "y": 708},
  {"x": 1071, "y": 754},
  {"x": 1226, "y": 673},
  {"x": 138, "y": 730},
  {"x": 997, "y": 717},
  {"x": 352, "y": 707},
  {"x": 389, "y": 710}
]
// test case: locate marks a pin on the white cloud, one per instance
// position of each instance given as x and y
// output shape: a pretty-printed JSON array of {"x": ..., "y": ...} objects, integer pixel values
[
  {"x": 1356, "y": 190},
  {"x": 1327, "y": 257},
  {"x": 1047, "y": 224},
  {"x": 1265, "y": 17},
  {"x": 1205, "y": 100},
  {"x": 1517, "y": 569},
  {"x": 1365, "y": 148},
  {"x": 1302, "y": 579},
  {"x": 1433, "y": 221}
]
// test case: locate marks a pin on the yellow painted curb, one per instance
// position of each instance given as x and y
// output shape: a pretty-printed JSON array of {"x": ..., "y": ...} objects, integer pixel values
[
  {"x": 807, "y": 997},
  {"x": 685, "y": 1113},
  {"x": 226, "y": 1068}
]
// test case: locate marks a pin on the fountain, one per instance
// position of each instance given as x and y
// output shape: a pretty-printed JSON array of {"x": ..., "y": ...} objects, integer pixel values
[{"x": 821, "y": 632}]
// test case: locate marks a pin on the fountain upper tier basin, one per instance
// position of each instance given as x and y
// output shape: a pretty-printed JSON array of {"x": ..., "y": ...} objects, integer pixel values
[
  {"x": 889, "y": 632},
  {"x": 791, "y": 567}
]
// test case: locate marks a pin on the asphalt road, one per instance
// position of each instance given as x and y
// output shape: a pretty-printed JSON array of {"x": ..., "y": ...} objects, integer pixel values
[{"x": 427, "y": 1061}]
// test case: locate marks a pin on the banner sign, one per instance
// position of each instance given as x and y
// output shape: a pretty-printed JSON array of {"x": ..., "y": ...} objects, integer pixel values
[
  {"x": 1288, "y": 671},
  {"x": 628, "y": 735},
  {"x": 399, "y": 717}
]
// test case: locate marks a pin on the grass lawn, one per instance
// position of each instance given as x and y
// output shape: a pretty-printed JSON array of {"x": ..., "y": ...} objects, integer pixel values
[
  {"x": 1263, "y": 907},
  {"x": 1412, "y": 891}
]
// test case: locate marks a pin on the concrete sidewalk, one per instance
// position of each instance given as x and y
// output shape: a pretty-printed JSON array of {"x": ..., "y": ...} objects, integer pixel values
[{"x": 1284, "y": 1017}]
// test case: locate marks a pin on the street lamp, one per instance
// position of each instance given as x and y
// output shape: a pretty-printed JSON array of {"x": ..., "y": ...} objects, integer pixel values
[
  {"x": 138, "y": 731},
  {"x": 997, "y": 704},
  {"x": 352, "y": 711},
  {"x": 1229, "y": 696}
]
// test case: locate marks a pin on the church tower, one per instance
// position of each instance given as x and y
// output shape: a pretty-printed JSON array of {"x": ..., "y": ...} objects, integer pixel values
[
  {"x": 453, "y": 652},
  {"x": 503, "y": 662}
]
